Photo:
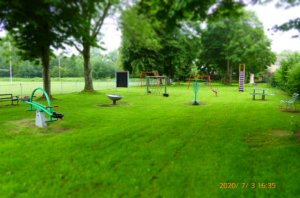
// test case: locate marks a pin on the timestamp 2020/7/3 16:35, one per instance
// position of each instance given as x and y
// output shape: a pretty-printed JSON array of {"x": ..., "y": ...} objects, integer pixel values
[{"x": 247, "y": 185}]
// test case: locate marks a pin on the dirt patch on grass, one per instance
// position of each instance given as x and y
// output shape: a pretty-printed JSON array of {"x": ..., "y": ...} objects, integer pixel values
[
  {"x": 281, "y": 133},
  {"x": 7, "y": 105},
  {"x": 28, "y": 122},
  {"x": 27, "y": 126},
  {"x": 290, "y": 110},
  {"x": 297, "y": 135},
  {"x": 274, "y": 138},
  {"x": 258, "y": 141},
  {"x": 42, "y": 98}
]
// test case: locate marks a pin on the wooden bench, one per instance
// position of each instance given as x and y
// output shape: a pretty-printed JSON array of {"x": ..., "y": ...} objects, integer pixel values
[{"x": 9, "y": 97}]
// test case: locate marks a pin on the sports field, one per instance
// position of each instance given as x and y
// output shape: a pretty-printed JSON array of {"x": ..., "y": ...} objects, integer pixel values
[
  {"x": 153, "y": 146},
  {"x": 24, "y": 86}
]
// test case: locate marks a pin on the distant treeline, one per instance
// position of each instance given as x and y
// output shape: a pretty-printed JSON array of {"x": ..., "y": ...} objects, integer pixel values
[{"x": 104, "y": 66}]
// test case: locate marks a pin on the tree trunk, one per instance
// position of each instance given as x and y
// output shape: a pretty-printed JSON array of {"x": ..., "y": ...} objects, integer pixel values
[
  {"x": 252, "y": 78},
  {"x": 46, "y": 72},
  {"x": 228, "y": 74},
  {"x": 88, "y": 76}
]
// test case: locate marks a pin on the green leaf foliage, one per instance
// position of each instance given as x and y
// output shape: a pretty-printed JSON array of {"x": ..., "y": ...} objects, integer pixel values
[
  {"x": 293, "y": 82},
  {"x": 231, "y": 41},
  {"x": 140, "y": 42},
  {"x": 148, "y": 46},
  {"x": 287, "y": 77},
  {"x": 291, "y": 24},
  {"x": 35, "y": 25},
  {"x": 164, "y": 35}
]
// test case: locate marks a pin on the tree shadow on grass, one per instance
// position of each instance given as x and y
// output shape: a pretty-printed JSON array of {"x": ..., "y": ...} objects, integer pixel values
[
  {"x": 118, "y": 104},
  {"x": 196, "y": 104},
  {"x": 274, "y": 138},
  {"x": 290, "y": 110}
]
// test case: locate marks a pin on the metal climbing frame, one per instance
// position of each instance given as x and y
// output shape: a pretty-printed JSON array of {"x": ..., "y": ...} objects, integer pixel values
[{"x": 156, "y": 83}]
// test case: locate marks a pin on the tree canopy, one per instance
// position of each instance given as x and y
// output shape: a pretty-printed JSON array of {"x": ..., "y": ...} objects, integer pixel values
[
  {"x": 169, "y": 39},
  {"x": 37, "y": 27},
  {"x": 148, "y": 46},
  {"x": 230, "y": 41}
]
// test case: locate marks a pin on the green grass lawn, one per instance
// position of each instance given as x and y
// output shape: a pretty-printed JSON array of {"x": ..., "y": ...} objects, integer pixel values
[{"x": 152, "y": 146}]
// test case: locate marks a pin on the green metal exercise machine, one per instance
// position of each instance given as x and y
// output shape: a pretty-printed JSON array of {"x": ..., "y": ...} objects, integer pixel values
[{"x": 42, "y": 109}]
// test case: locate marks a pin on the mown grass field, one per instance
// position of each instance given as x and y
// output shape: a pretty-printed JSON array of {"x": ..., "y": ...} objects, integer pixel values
[{"x": 152, "y": 146}]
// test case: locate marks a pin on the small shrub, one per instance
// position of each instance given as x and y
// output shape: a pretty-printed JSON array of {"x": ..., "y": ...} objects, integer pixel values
[
  {"x": 293, "y": 79},
  {"x": 280, "y": 79},
  {"x": 272, "y": 80}
]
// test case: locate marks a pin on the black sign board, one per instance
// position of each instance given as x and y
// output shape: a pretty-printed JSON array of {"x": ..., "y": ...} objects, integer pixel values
[{"x": 122, "y": 79}]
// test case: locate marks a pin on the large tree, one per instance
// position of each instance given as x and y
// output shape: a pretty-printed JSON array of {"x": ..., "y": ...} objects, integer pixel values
[
  {"x": 160, "y": 35},
  {"x": 88, "y": 21},
  {"x": 148, "y": 46},
  {"x": 37, "y": 27},
  {"x": 230, "y": 41},
  {"x": 140, "y": 42}
]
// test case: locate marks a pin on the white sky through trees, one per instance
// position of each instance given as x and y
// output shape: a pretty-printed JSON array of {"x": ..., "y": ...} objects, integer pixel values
[{"x": 268, "y": 14}]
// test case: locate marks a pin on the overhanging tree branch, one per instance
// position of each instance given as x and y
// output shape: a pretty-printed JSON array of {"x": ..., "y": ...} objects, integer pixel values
[{"x": 100, "y": 21}]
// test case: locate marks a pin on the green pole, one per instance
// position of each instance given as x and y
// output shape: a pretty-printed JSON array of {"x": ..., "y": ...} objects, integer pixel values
[{"x": 196, "y": 90}]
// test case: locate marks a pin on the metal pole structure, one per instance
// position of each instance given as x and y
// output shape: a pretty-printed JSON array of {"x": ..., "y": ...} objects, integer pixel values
[
  {"x": 166, "y": 84},
  {"x": 59, "y": 67},
  {"x": 196, "y": 89},
  {"x": 59, "y": 73},
  {"x": 21, "y": 90},
  {"x": 10, "y": 63},
  {"x": 148, "y": 84}
]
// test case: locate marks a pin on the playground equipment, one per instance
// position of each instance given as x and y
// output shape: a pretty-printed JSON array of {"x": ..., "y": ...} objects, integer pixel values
[
  {"x": 145, "y": 74},
  {"x": 196, "y": 90},
  {"x": 42, "y": 109},
  {"x": 156, "y": 83},
  {"x": 242, "y": 77},
  {"x": 114, "y": 98},
  {"x": 290, "y": 104},
  {"x": 216, "y": 91}
]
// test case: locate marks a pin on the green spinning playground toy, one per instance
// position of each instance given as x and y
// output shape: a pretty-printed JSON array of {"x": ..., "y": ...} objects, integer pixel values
[{"x": 42, "y": 109}]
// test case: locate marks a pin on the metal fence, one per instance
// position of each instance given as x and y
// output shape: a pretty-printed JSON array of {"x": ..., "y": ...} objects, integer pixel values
[{"x": 25, "y": 88}]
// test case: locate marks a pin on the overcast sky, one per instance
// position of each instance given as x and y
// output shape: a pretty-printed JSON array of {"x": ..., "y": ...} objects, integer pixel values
[{"x": 268, "y": 14}]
